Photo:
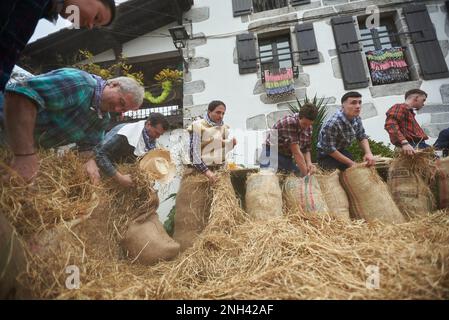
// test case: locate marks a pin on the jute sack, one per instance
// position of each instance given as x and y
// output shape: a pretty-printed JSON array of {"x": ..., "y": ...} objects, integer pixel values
[
  {"x": 335, "y": 196},
  {"x": 303, "y": 195},
  {"x": 368, "y": 195},
  {"x": 443, "y": 183},
  {"x": 12, "y": 262},
  {"x": 409, "y": 191},
  {"x": 147, "y": 242},
  {"x": 263, "y": 198},
  {"x": 192, "y": 208}
]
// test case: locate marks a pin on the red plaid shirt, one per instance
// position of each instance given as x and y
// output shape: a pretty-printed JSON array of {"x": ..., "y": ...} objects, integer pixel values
[
  {"x": 401, "y": 125},
  {"x": 289, "y": 132}
]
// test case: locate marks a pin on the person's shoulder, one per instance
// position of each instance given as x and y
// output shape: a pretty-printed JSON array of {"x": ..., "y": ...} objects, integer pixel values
[{"x": 397, "y": 107}]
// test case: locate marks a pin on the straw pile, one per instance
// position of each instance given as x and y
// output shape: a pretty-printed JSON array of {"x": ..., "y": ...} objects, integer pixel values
[{"x": 238, "y": 258}]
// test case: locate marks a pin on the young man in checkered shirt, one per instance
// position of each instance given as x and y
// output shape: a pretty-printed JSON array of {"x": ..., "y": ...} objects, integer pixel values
[
  {"x": 405, "y": 132},
  {"x": 287, "y": 147},
  {"x": 339, "y": 132}
]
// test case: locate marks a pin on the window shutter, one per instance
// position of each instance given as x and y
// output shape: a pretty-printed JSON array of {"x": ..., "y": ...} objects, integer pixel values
[
  {"x": 299, "y": 2},
  {"x": 308, "y": 50},
  {"x": 246, "y": 52},
  {"x": 349, "y": 55},
  {"x": 425, "y": 42},
  {"x": 242, "y": 7}
]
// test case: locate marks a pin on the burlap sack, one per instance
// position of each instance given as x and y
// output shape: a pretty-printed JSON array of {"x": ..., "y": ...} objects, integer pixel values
[
  {"x": 263, "y": 198},
  {"x": 192, "y": 208},
  {"x": 147, "y": 242},
  {"x": 335, "y": 196},
  {"x": 303, "y": 195},
  {"x": 12, "y": 262},
  {"x": 368, "y": 195},
  {"x": 409, "y": 191},
  {"x": 443, "y": 183}
]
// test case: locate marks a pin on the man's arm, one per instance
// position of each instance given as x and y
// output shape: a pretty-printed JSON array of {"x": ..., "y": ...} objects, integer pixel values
[
  {"x": 20, "y": 120},
  {"x": 299, "y": 158},
  {"x": 340, "y": 157},
  {"x": 394, "y": 130},
  {"x": 368, "y": 155},
  {"x": 197, "y": 162},
  {"x": 103, "y": 157}
]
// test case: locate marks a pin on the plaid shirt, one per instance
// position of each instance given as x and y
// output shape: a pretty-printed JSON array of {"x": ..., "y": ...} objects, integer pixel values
[
  {"x": 401, "y": 125},
  {"x": 289, "y": 132},
  {"x": 18, "y": 19},
  {"x": 338, "y": 133},
  {"x": 68, "y": 107},
  {"x": 195, "y": 153}
]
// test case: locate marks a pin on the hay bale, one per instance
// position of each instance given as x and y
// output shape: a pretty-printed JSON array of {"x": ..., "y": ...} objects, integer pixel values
[
  {"x": 303, "y": 195},
  {"x": 368, "y": 195},
  {"x": 192, "y": 208},
  {"x": 335, "y": 195},
  {"x": 263, "y": 198},
  {"x": 408, "y": 182},
  {"x": 147, "y": 242},
  {"x": 443, "y": 183}
]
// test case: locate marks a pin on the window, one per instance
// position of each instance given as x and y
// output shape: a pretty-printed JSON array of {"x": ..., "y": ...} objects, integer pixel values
[
  {"x": 275, "y": 53},
  {"x": 385, "y": 56},
  {"x": 264, "y": 5}
]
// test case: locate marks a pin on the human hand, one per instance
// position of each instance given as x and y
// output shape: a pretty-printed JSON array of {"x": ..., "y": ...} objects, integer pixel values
[
  {"x": 370, "y": 160},
  {"x": 25, "y": 166},
  {"x": 92, "y": 171},
  {"x": 124, "y": 179},
  {"x": 211, "y": 176},
  {"x": 408, "y": 149},
  {"x": 311, "y": 169}
]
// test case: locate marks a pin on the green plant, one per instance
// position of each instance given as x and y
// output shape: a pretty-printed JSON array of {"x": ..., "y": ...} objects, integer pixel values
[
  {"x": 169, "y": 224},
  {"x": 321, "y": 104},
  {"x": 377, "y": 148}
]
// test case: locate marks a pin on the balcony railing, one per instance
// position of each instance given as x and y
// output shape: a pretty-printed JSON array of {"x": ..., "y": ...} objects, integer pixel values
[{"x": 264, "y": 5}]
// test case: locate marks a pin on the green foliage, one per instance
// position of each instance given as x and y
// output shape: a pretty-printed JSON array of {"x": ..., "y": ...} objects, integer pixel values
[
  {"x": 321, "y": 104},
  {"x": 169, "y": 224},
  {"x": 377, "y": 148}
]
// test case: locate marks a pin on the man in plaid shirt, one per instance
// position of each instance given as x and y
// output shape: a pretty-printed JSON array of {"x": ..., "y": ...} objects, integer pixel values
[
  {"x": 290, "y": 140},
  {"x": 401, "y": 125},
  {"x": 62, "y": 107},
  {"x": 19, "y": 18},
  {"x": 339, "y": 132}
]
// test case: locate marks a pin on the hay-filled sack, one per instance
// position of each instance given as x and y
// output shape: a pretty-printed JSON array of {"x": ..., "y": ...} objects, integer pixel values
[
  {"x": 443, "y": 183},
  {"x": 147, "y": 242},
  {"x": 303, "y": 195},
  {"x": 263, "y": 198},
  {"x": 192, "y": 207},
  {"x": 408, "y": 181},
  {"x": 368, "y": 195},
  {"x": 335, "y": 196}
]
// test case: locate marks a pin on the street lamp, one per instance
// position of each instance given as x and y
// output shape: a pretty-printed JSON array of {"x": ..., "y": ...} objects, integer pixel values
[{"x": 179, "y": 35}]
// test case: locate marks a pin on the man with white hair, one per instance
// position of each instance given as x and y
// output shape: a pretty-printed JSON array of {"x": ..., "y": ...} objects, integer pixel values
[{"x": 61, "y": 107}]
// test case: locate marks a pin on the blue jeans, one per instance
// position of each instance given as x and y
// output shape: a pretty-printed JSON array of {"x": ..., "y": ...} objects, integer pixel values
[
  {"x": 283, "y": 162},
  {"x": 420, "y": 145},
  {"x": 327, "y": 162}
]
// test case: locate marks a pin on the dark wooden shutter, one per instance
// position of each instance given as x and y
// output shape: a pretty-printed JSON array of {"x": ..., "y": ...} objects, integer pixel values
[
  {"x": 241, "y": 7},
  {"x": 299, "y": 2},
  {"x": 246, "y": 52},
  {"x": 425, "y": 42},
  {"x": 308, "y": 50},
  {"x": 349, "y": 55}
]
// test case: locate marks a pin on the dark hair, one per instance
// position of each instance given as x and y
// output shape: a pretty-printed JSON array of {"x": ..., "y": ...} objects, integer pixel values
[
  {"x": 111, "y": 5},
  {"x": 308, "y": 111},
  {"x": 214, "y": 104},
  {"x": 156, "y": 118},
  {"x": 415, "y": 91},
  {"x": 350, "y": 94}
]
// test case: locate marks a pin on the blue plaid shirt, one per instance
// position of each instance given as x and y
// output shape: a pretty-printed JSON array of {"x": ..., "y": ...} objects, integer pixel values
[
  {"x": 18, "y": 19},
  {"x": 68, "y": 107},
  {"x": 338, "y": 133}
]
